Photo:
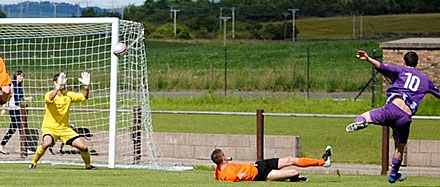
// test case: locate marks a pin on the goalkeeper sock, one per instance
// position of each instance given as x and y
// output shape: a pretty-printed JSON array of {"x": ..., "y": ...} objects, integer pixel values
[
  {"x": 38, "y": 154},
  {"x": 85, "y": 155},
  {"x": 305, "y": 162}
]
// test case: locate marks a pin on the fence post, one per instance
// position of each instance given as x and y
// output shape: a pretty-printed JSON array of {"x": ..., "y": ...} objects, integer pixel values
[
  {"x": 136, "y": 134},
  {"x": 260, "y": 135},
  {"x": 308, "y": 73},
  {"x": 385, "y": 149},
  {"x": 211, "y": 73}
]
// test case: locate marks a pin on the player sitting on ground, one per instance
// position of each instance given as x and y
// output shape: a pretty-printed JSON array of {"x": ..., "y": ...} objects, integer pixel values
[
  {"x": 269, "y": 169},
  {"x": 55, "y": 123},
  {"x": 5, "y": 83},
  {"x": 407, "y": 89}
]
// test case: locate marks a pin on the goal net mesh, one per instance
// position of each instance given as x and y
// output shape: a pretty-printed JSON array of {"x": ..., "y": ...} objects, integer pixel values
[{"x": 43, "y": 50}]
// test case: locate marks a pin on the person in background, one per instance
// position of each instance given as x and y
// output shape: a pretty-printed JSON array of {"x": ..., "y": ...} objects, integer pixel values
[{"x": 13, "y": 105}]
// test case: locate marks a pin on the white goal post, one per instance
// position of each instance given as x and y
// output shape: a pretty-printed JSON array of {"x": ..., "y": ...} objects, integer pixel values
[{"x": 117, "y": 113}]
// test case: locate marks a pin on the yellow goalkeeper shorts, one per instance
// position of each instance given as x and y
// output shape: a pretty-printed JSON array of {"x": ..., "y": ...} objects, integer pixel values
[{"x": 64, "y": 134}]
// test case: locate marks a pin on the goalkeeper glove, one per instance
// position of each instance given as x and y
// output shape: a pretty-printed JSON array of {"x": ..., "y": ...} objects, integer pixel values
[
  {"x": 85, "y": 79},
  {"x": 61, "y": 81}
]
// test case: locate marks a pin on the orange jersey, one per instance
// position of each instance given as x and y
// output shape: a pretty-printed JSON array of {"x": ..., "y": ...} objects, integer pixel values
[
  {"x": 5, "y": 80},
  {"x": 231, "y": 172}
]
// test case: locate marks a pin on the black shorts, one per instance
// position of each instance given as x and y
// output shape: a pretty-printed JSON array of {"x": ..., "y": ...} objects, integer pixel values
[{"x": 265, "y": 167}]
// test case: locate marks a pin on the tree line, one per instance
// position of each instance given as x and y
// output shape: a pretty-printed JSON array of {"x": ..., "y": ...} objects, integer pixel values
[{"x": 255, "y": 18}]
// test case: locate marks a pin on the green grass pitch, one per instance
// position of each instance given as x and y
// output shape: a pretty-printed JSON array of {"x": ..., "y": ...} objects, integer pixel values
[{"x": 61, "y": 175}]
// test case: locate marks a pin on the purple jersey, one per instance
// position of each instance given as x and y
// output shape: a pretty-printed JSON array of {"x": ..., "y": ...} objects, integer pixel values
[{"x": 408, "y": 83}]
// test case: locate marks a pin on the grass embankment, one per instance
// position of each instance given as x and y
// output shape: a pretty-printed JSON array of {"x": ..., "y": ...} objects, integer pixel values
[
  {"x": 373, "y": 26},
  {"x": 254, "y": 65},
  {"x": 46, "y": 175}
]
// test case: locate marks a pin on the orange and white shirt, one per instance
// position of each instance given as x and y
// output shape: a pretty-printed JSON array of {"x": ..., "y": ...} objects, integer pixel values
[
  {"x": 5, "y": 80},
  {"x": 232, "y": 170}
]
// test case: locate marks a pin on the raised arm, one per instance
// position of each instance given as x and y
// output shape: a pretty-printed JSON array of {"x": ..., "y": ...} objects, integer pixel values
[
  {"x": 434, "y": 90},
  {"x": 364, "y": 56}
]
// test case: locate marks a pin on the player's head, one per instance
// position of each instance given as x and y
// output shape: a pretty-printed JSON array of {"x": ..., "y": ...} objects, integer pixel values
[
  {"x": 411, "y": 59},
  {"x": 18, "y": 76},
  {"x": 55, "y": 77},
  {"x": 217, "y": 156}
]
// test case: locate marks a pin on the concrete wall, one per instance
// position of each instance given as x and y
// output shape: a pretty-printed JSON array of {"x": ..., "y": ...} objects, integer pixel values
[
  {"x": 420, "y": 153},
  {"x": 239, "y": 147}
]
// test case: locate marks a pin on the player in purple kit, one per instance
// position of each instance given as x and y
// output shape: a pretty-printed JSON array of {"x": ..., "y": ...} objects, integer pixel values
[{"x": 407, "y": 89}]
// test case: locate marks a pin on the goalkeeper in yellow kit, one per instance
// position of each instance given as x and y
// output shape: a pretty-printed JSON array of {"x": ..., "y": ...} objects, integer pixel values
[{"x": 55, "y": 126}]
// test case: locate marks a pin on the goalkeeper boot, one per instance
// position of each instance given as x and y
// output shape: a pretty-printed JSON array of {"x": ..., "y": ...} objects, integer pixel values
[
  {"x": 32, "y": 166},
  {"x": 356, "y": 126},
  {"x": 398, "y": 177},
  {"x": 327, "y": 156}
]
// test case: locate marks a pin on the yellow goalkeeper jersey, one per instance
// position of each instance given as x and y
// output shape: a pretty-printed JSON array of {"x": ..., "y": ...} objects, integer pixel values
[{"x": 58, "y": 110}]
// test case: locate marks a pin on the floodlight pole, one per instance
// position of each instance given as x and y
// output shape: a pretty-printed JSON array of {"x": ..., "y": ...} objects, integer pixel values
[
  {"x": 171, "y": 10},
  {"x": 285, "y": 14},
  {"x": 122, "y": 12},
  {"x": 354, "y": 26},
  {"x": 225, "y": 19},
  {"x": 21, "y": 9},
  {"x": 293, "y": 22},
  {"x": 54, "y": 10},
  {"x": 233, "y": 22},
  {"x": 221, "y": 15},
  {"x": 175, "y": 17},
  {"x": 360, "y": 28}
]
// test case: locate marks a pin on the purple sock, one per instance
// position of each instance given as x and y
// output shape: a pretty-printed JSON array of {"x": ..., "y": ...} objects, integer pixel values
[
  {"x": 360, "y": 119},
  {"x": 395, "y": 165}
]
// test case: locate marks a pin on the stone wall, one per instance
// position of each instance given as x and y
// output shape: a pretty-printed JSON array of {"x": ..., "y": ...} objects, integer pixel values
[
  {"x": 239, "y": 147},
  {"x": 420, "y": 153}
]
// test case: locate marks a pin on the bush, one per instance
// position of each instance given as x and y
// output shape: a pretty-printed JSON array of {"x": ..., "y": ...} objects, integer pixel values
[
  {"x": 167, "y": 31},
  {"x": 273, "y": 31}
]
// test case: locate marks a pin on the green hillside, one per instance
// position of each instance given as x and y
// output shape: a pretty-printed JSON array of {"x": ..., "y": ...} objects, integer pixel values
[{"x": 373, "y": 26}]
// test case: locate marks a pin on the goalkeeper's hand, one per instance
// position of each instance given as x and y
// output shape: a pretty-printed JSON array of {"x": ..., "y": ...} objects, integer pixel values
[
  {"x": 61, "y": 81},
  {"x": 85, "y": 78}
]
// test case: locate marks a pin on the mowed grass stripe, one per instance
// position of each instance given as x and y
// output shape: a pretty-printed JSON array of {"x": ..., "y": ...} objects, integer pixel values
[{"x": 47, "y": 175}]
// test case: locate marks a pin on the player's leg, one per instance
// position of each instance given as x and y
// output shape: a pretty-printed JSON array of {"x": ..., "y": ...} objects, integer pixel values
[
  {"x": 400, "y": 135},
  {"x": 396, "y": 162},
  {"x": 379, "y": 116},
  {"x": 360, "y": 122},
  {"x": 280, "y": 175},
  {"x": 306, "y": 162},
  {"x": 13, "y": 114},
  {"x": 84, "y": 150},
  {"x": 48, "y": 140},
  {"x": 70, "y": 137}
]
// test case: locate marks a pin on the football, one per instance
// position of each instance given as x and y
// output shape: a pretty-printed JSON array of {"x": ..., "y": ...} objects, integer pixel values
[{"x": 119, "y": 49}]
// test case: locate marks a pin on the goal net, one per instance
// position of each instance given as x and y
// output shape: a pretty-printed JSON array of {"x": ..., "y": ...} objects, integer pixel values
[{"x": 115, "y": 121}]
